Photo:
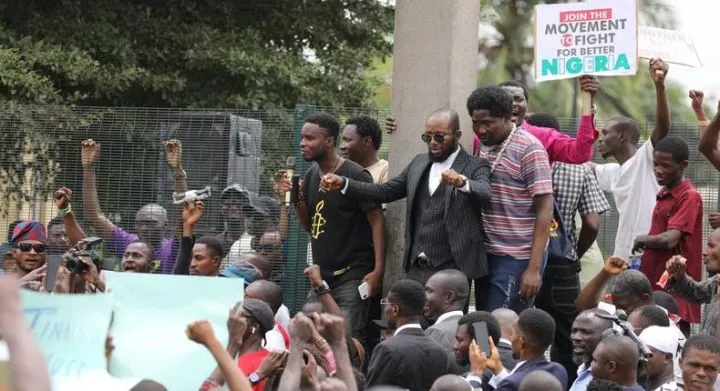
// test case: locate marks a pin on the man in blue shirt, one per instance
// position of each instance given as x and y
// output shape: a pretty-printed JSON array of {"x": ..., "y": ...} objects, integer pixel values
[{"x": 586, "y": 334}]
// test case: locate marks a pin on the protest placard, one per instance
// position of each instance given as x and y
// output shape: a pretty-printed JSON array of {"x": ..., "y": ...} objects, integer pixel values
[
  {"x": 71, "y": 331},
  {"x": 151, "y": 315},
  {"x": 672, "y": 46},
  {"x": 596, "y": 37}
]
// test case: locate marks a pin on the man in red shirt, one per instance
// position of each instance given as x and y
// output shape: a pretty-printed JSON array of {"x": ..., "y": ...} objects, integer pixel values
[{"x": 676, "y": 223}]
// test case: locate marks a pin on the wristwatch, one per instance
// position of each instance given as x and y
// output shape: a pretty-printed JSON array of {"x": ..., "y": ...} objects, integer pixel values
[
  {"x": 254, "y": 378},
  {"x": 323, "y": 289}
]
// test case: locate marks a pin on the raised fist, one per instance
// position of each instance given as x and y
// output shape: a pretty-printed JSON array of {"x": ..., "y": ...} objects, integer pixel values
[
  {"x": 90, "y": 152},
  {"x": 192, "y": 212},
  {"x": 696, "y": 100},
  {"x": 658, "y": 70},
  {"x": 615, "y": 265},
  {"x": 173, "y": 153},
  {"x": 62, "y": 197}
]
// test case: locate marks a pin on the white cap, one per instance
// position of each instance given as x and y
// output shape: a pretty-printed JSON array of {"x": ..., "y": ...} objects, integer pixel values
[{"x": 663, "y": 339}]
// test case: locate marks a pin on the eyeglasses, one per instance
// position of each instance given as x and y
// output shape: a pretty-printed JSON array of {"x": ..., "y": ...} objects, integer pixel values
[
  {"x": 26, "y": 247},
  {"x": 385, "y": 302},
  {"x": 438, "y": 137}
]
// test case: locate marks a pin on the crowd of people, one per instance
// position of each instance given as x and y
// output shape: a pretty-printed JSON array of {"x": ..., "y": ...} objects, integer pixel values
[{"x": 499, "y": 221}]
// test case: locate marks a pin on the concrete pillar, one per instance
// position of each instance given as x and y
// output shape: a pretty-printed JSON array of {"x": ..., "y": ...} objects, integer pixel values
[{"x": 434, "y": 65}]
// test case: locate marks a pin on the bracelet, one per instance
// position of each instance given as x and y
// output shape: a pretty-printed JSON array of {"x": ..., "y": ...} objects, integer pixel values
[
  {"x": 321, "y": 343},
  {"x": 331, "y": 365},
  {"x": 64, "y": 211}
]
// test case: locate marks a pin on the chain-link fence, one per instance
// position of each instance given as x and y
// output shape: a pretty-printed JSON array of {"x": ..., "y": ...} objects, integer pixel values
[{"x": 42, "y": 151}]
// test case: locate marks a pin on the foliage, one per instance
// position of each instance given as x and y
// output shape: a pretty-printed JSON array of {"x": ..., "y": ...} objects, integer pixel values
[{"x": 180, "y": 53}]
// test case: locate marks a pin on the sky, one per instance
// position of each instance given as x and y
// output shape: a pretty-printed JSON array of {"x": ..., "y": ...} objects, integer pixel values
[{"x": 698, "y": 18}]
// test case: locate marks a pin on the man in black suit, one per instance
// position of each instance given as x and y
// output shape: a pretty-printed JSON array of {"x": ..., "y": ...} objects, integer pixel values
[
  {"x": 534, "y": 334},
  {"x": 445, "y": 190},
  {"x": 410, "y": 359}
]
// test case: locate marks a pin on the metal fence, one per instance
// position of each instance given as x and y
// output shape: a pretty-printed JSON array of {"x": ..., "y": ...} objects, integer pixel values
[{"x": 41, "y": 152}]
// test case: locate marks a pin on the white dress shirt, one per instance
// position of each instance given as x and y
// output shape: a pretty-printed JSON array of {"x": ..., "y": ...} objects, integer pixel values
[
  {"x": 408, "y": 326},
  {"x": 496, "y": 379},
  {"x": 438, "y": 168},
  {"x": 450, "y": 314}
]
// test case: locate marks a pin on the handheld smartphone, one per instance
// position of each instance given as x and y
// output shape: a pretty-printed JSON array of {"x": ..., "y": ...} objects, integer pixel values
[
  {"x": 481, "y": 337},
  {"x": 364, "y": 290},
  {"x": 294, "y": 192},
  {"x": 53, "y": 264}
]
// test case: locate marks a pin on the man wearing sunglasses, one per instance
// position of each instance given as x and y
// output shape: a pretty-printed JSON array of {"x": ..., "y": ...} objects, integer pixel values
[
  {"x": 29, "y": 251},
  {"x": 445, "y": 190}
]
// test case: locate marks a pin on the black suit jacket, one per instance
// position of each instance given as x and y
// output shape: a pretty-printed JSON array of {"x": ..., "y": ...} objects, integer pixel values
[
  {"x": 463, "y": 220},
  {"x": 410, "y": 359}
]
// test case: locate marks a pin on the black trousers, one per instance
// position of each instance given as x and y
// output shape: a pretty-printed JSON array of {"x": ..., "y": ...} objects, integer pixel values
[{"x": 560, "y": 288}]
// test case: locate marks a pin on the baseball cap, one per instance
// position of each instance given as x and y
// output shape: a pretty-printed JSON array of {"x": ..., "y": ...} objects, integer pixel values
[
  {"x": 236, "y": 188},
  {"x": 243, "y": 270},
  {"x": 29, "y": 230},
  {"x": 261, "y": 311},
  {"x": 661, "y": 338}
]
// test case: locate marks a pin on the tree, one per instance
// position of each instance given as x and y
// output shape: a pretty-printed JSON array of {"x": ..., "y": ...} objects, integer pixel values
[
  {"x": 272, "y": 54},
  {"x": 187, "y": 53}
]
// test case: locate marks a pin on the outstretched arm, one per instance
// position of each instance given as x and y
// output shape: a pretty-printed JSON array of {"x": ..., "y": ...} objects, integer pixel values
[
  {"x": 202, "y": 333},
  {"x": 74, "y": 231},
  {"x": 563, "y": 148},
  {"x": 173, "y": 155},
  {"x": 392, "y": 190},
  {"x": 28, "y": 368},
  {"x": 589, "y": 296},
  {"x": 91, "y": 204},
  {"x": 658, "y": 72},
  {"x": 709, "y": 141}
]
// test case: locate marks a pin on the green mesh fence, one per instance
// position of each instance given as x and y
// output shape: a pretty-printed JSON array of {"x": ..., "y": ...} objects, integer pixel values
[{"x": 41, "y": 152}]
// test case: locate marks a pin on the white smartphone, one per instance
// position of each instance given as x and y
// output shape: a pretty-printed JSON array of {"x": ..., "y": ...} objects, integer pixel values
[{"x": 364, "y": 290}]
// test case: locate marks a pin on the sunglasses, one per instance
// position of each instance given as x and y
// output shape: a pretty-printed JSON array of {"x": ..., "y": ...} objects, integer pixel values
[
  {"x": 26, "y": 247},
  {"x": 438, "y": 137}
]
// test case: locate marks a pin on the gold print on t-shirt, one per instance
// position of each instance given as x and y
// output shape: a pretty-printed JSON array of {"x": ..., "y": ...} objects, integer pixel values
[{"x": 318, "y": 221}]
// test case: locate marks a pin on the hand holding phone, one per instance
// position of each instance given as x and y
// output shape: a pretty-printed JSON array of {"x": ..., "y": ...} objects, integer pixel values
[
  {"x": 481, "y": 338},
  {"x": 53, "y": 265},
  {"x": 364, "y": 290}
]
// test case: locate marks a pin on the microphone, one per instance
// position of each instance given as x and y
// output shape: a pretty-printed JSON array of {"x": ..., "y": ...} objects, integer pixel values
[
  {"x": 290, "y": 170},
  {"x": 620, "y": 318}
]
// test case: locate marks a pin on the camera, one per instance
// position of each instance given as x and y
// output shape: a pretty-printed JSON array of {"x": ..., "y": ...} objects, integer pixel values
[{"x": 83, "y": 249}]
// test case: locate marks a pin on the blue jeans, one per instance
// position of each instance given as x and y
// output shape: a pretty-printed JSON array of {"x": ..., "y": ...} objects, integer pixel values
[{"x": 505, "y": 277}]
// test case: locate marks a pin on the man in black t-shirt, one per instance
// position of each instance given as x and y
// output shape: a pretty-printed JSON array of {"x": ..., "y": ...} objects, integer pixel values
[{"x": 347, "y": 235}]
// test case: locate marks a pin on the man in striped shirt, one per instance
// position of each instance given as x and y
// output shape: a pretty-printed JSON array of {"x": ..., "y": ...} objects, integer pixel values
[{"x": 517, "y": 220}]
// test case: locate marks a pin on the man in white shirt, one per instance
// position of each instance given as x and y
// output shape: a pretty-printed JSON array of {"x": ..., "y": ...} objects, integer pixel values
[
  {"x": 446, "y": 293},
  {"x": 631, "y": 180}
]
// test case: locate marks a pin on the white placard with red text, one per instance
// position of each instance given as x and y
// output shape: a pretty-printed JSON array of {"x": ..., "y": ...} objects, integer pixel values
[{"x": 596, "y": 37}]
